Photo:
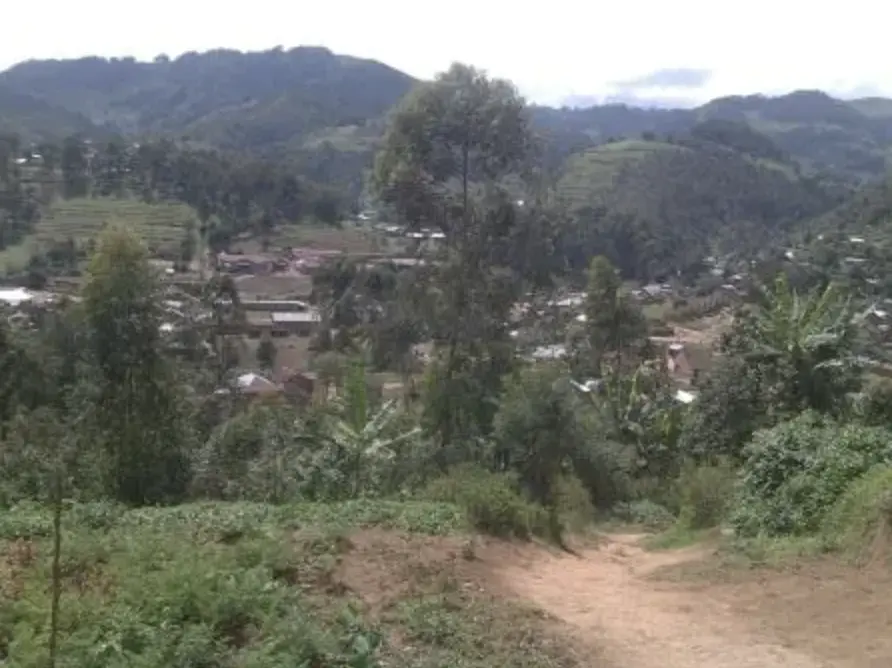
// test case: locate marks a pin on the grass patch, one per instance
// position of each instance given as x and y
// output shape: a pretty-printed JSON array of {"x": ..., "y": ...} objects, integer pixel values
[
  {"x": 15, "y": 258},
  {"x": 241, "y": 584},
  {"x": 347, "y": 239},
  {"x": 859, "y": 523},
  {"x": 678, "y": 536},
  {"x": 459, "y": 628},
  {"x": 218, "y": 519}
]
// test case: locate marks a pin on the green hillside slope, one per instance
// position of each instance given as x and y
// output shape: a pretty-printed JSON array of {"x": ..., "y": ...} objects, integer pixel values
[
  {"x": 650, "y": 204},
  {"x": 229, "y": 98}
]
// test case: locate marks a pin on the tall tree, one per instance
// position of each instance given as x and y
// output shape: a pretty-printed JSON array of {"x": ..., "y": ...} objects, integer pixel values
[
  {"x": 75, "y": 167},
  {"x": 138, "y": 402},
  {"x": 451, "y": 158},
  {"x": 614, "y": 323}
]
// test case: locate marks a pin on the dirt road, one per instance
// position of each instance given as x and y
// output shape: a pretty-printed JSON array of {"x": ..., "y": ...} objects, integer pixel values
[{"x": 604, "y": 595}]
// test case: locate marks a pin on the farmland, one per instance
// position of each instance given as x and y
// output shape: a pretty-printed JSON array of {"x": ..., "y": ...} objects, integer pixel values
[{"x": 162, "y": 226}]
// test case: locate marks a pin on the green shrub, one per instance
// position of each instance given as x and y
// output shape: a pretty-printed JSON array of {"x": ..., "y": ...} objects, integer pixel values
[
  {"x": 574, "y": 503},
  {"x": 154, "y": 596},
  {"x": 859, "y": 522},
  {"x": 704, "y": 493},
  {"x": 491, "y": 502},
  {"x": 793, "y": 473}
]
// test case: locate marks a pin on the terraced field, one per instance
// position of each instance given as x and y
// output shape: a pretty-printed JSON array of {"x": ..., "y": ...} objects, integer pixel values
[
  {"x": 593, "y": 171},
  {"x": 160, "y": 225}
]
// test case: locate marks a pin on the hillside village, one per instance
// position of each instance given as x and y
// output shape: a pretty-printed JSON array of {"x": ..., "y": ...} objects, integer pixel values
[
  {"x": 304, "y": 362},
  {"x": 276, "y": 298}
]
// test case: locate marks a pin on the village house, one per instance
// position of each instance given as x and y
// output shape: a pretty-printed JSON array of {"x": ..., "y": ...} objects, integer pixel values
[
  {"x": 677, "y": 363},
  {"x": 292, "y": 285},
  {"x": 295, "y": 323},
  {"x": 15, "y": 297},
  {"x": 236, "y": 263},
  {"x": 281, "y": 305},
  {"x": 300, "y": 387},
  {"x": 277, "y": 324}
]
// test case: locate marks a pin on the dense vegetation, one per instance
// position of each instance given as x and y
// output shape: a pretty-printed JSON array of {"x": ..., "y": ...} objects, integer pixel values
[
  {"x": 324, "y": 112},
  {"x": 654, "y": 190},
  {"x": 658, "y": 207},
  {"x": 228, "y": 195},
  {"x": 152, "y": 515}
]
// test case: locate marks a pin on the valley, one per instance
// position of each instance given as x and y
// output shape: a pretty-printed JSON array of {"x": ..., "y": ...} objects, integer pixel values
[{"x": 304, "y": 362}]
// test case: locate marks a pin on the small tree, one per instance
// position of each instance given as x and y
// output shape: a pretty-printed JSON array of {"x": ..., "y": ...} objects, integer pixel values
[
  {"x": 266, "y": 354},
  {"x": 538, "y": 432},
  {"x": 365, "y": 439},
  {"x": 615, "y": 325}
]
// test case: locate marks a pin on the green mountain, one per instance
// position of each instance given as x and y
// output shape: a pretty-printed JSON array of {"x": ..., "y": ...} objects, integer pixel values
[
  {"x": 849, "y": 139},
  {"x": 226, "y": 98},
  {"x": 667, "y": 185},
  {"x": 327, "y": 110},
  {"x": 37, "y": 120},
  {"x": 657, "y": 204}
]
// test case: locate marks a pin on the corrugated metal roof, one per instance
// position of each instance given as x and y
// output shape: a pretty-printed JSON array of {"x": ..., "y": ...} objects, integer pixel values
[
  {"x": 15, "y": 296},
  {"x": 295, "y": 316}
]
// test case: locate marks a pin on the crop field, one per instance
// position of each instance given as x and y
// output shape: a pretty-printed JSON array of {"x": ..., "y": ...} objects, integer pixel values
[{"x": 160, "y": 225}]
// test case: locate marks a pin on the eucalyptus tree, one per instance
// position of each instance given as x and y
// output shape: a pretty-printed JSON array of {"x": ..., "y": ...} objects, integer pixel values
[
  {"x": 457, "y": 156},
  {"x": 138, "y": 414}
]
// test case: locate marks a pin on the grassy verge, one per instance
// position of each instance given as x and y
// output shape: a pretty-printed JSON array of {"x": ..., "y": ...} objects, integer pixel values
[
  {"x": 856, "y": 530},
  {"x": 357, "y": 584}
]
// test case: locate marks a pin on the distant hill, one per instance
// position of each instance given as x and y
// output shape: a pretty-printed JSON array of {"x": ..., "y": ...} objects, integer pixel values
[
  {"x": 866, "y": 213},
  {"x": 851, "y": 139},
  {"x": 308, "y": 98},
  {"x": 326, "y": 111},
  {"x": 36, "y": 120},
  {"x": 228, "y": 98},
  {"x": 722, "y": 187}
]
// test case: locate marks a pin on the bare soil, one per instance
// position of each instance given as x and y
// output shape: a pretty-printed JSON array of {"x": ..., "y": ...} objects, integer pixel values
[
  {"x": 621, "y": 606},
  {"x": 823, "y": 615}
]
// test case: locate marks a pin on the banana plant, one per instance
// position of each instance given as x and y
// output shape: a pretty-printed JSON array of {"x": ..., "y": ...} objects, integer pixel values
[
  {"x": 811, "y": 337},
  {"x": 365, "y": 439},
  {"x": 643, "y": 414}
]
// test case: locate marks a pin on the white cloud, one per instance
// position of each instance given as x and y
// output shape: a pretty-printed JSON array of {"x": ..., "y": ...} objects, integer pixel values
[{"x": 551, "y": 50}]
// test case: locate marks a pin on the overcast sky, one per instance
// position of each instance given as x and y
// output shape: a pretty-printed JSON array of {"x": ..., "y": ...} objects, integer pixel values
[{"x": 551, "y": 49}]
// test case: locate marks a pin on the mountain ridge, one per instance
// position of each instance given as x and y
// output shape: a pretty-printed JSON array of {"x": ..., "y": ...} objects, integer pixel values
[
  {"x": 295, "y": 100},
  {"x": 325, "y": 113}
]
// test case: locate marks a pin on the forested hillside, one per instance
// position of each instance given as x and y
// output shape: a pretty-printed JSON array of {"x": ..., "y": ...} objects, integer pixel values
[
  {"x": 850, "y": 139},
  {"x": 53, "y": 203},
  {"x": 325, "y": 111},
  {"x": 656, "y": 207},
  {"x": 227, "y": 98},
  {"x": 394, "y": 455}
]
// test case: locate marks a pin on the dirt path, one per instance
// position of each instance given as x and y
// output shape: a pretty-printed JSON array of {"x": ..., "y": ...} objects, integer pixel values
[{"x": 639, "y": 623}]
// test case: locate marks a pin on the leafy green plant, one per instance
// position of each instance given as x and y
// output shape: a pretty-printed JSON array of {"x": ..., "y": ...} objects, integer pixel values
[
  {"x": 796, "y": 471},
  {"x": 859, "y": 523},
  {"x": 704, "y": 493},
  {"x": 643, "y": 512},
  {"x": 491, "y": 502},
  {"x": 365, "y": 440}
]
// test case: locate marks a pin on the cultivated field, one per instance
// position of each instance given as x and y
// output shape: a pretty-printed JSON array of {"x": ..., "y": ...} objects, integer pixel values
[
  {"x": 592, "y": 172},
  {"x": 161, "y": 225}
]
